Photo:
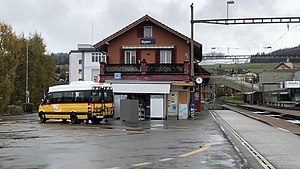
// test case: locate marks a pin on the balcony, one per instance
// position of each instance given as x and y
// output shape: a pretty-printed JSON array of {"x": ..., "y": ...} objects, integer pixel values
[
  {"x": 165, "y": 68},
  {"x": 139, "y": 69},
  {"x": 144, "y": 71},
  {"x": 124, "y": 68}
]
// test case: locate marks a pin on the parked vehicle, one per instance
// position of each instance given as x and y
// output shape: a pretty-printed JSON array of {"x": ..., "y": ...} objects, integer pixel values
[{"x": 78, "y": 101}]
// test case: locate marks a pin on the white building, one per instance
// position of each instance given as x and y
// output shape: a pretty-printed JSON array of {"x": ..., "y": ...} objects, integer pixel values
[{"x": 84, "y": 63}]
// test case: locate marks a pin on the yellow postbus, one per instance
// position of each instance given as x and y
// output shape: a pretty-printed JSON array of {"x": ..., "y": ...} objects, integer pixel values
[{"x": 77, "y": 102}]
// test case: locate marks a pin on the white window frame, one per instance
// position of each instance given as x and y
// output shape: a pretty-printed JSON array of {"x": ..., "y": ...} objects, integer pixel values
[
  {"x": 165, "y": 56},
  {"x": 130, "y": 57},
  {"x": 102, "y": 58},
  {"x": 146, "y": 33},
  {"x": 98, "y": 57},
  {"x": 93, "y": 57}
]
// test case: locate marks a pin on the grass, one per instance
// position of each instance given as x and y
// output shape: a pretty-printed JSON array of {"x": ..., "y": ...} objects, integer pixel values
[{"x": 235, "y": 98}]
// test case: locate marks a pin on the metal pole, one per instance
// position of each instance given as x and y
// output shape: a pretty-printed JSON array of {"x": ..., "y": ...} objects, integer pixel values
[
  {"x": 228, "y": 3},
  {"x": 192, "y": 56},
  {"x": 227, "y": 11},
  {"x": 252, "y": 94},
  {"x": 27, "y": 92},
  {"x": 192, "y": 42}
]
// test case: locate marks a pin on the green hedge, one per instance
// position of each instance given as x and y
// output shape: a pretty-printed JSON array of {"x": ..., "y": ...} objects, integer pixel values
[{"x": 28, "y": 107}]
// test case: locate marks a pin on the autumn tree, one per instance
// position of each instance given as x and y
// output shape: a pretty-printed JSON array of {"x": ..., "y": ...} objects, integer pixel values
[
  {"x": 9, "y": 61},
  {"x": 41, "y": 68}
]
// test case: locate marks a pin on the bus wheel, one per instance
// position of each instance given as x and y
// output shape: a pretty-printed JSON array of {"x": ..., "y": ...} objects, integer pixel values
[
  {"x": 42, "y": 117},
  {"x": 96, "y": 121},
  {"x": 74, "y": 119},
  {"x": 64, "y": 120}
]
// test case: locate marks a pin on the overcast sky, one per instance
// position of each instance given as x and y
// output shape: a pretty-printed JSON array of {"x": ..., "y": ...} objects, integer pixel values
[{"x": 65, "y": 23}]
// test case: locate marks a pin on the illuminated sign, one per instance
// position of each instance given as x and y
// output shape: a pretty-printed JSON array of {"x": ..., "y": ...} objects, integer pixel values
[{"x": 148, "y": 41}]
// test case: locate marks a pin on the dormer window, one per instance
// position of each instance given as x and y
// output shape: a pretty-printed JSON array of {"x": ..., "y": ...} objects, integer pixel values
[{"x": 148, "y": 32}]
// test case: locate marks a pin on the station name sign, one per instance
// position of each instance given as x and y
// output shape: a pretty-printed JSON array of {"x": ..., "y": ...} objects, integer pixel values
[
  {"x": 292, "y": 84},
  {"x": 148, "y": 41}
]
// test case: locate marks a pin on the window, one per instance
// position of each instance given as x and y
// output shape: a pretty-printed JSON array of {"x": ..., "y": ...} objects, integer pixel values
[
  {"x": 79, "y": 71},
  {"x": 98, "y": 57},
  {"x": 81, "y": 96},
  {"x": 48, "y": 99},
  {"x": 97, "y": 96},
  {"x": 56, "y": 97},
  {"x": 95, "y": 57},
  {"x": 80, "y": 61},
  {"x": 68, "y": 97},
  {"x": 148, "y": 32},
  {"x": 108, "y": 95},
  {"x": 102, "y": 58},
  {"x": 165, "y": 56},
  {"x": 130, "y": 57}
]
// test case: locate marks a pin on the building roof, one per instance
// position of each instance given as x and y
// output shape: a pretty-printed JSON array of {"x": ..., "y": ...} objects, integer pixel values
[
  {"x": 139, "y": 21},
  {"x": 200, "y": 70},
  {"x": 281, "y": 71},
  {"x": 287, "y": 65}
]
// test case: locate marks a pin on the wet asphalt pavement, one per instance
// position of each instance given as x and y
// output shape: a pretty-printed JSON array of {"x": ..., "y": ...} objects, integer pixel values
[{"x": 197, "y": 143}]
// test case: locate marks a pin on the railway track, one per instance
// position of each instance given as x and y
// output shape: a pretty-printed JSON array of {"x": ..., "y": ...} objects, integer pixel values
[{"x": 280, "y": 118}]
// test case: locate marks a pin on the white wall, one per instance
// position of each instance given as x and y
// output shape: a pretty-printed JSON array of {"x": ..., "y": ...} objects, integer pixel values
[
  {"x": 74, "y": 66},
  {"x": 89, "y": 68}
]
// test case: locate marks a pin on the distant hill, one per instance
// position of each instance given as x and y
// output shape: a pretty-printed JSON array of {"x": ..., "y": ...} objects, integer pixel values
[
  {"x": 287, "y": 51},
  {"x": 281, "y": 55},
  {"x": 60, "y": 58}
]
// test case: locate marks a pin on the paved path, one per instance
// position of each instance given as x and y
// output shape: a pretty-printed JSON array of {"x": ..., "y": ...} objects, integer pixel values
[
  {"x": 279, "y": 147},
  {"x": 268, "y": 120}
]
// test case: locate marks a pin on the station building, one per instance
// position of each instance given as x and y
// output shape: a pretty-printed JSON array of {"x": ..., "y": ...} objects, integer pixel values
[
  {"x": 281, "y": 86},
  {"x": 150, "y": 61}
]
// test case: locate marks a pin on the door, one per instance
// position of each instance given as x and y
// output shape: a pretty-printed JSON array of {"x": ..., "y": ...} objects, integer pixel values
[{"x": 157, "y": 110}]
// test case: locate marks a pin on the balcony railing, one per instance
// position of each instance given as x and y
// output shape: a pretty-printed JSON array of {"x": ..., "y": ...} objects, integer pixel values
[
  {"x": 149, "y": 68},
  {"x": 124, "y": 68},
  {"x": 165, "y": 68}
]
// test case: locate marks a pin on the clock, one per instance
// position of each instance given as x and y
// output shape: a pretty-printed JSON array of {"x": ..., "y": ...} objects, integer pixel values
[{"x": 199, "y": 80}]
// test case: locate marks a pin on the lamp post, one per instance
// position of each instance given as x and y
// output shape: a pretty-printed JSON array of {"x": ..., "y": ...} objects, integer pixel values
[
  {"x": 228, "y": 3},
  {"x": 27, "y": 92}
]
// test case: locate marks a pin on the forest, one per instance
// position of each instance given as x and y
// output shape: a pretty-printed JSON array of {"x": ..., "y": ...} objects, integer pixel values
[{"x": 14, "y": 50}]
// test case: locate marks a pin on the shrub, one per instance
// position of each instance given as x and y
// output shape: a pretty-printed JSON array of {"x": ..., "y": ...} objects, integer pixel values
[
  {"x": 14, "y": 110},
  {"x": 28, "y": 107}
]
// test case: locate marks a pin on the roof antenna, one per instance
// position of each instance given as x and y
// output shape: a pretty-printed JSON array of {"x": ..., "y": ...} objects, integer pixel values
[{"x": 92, "y": 32}]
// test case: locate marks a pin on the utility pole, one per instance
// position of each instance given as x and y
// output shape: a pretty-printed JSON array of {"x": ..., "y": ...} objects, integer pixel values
[
  {"x": 252, "y": 92},
  {"x": 27, "y": 92},
  {"x": 192, "y": 42}
]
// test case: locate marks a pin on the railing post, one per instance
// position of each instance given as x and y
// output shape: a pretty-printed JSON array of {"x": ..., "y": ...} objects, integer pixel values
[
  {"x": 102, "y": 72},
  {"x": 143, "y": 66},
  {"x": 102, "y": 68},
  {"x": 186, "y": 67}
]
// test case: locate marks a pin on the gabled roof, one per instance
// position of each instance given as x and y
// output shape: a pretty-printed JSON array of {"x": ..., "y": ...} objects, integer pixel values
[
  {"x": 288, "y": 65},
  {"x": 137, "y": 22}
]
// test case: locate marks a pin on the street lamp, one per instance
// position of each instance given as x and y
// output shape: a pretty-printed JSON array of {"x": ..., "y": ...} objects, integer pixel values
[
  {"x": 27, "y": 92},
  {"x": 268, "y": 47},
  {"x": 228, "y": 3}
]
